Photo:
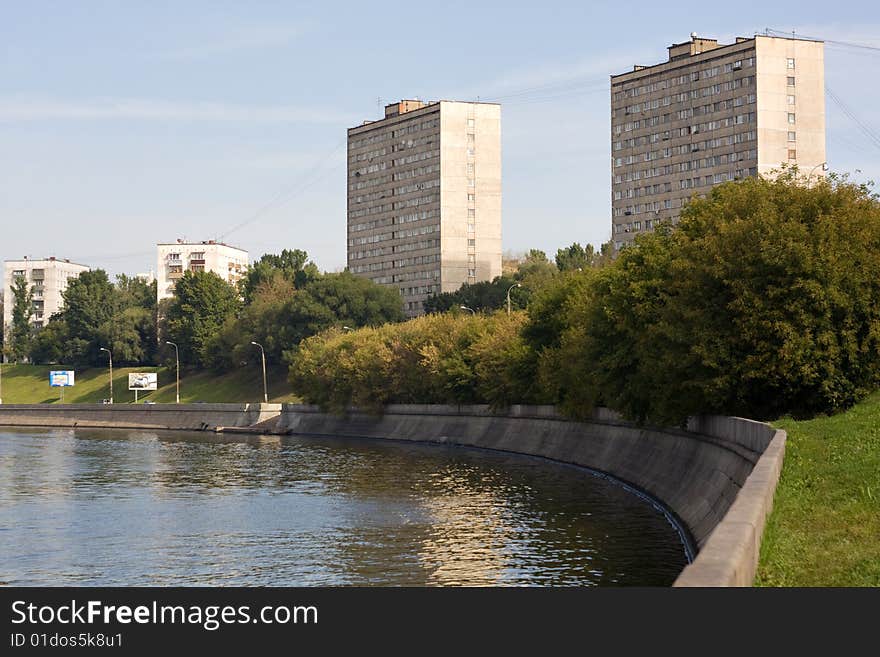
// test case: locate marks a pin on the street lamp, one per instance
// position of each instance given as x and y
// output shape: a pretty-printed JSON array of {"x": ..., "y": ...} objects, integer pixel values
[
  {"x": 177, "y": 364},
  {"x": 111, "y": 371},
  {"x": 263, "y": 354},
  {"x": 347, "y": 328},
  {"x": 472, "y": 311},
  {"x": 508, "y": 295},
  {"x": 824, "y": 166}
]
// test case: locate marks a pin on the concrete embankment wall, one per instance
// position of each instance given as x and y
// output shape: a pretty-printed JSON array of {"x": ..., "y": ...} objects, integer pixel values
[
  {"x": 142, "y": 416},
  {"x": 714, "y": 477}
]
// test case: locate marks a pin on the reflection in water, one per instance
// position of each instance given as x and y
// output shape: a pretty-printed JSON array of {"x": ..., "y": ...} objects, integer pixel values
[{"x": 125, "y": 507}]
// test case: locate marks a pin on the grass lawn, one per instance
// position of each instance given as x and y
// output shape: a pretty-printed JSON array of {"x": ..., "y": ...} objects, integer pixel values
[
  {"x": 825, "y": 525},
  {"x": 29, "y": 384}
]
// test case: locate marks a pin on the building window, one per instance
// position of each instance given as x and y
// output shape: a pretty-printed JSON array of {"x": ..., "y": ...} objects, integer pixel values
[
  {"x": 791, "y": 136},
  {"x": 792, "y": 154},
  {"x": 790, "y": 99},
  {"x": 470, "y": 137},
  {"x": 791, "y": 117},
  {"x": 471, "y": 182},
  {"x": 790, "y": 63},
  {"x": 472, "y": 273},
  {"x": 472, "y": 242},
  {"x": 470, "y": 123},
  {"x": 471, "y": 213},
  {"x": 790, "y": 80},
  {"x": 472, "y": 197}
]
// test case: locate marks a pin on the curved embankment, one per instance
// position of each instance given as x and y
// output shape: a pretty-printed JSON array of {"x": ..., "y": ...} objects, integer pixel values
[{"x": 717, "y": 478}]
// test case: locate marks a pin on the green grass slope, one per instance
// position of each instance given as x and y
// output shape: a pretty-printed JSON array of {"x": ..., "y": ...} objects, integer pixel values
[
  {"x": 825, "y": 526},
  {"x": 29, "y": 384}
]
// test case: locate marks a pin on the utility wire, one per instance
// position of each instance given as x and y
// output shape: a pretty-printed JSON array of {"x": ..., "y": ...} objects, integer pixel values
[
  {"x": 286, "y": 195},
  {"x": 848, "y": 44},
  {"x": 867, "y": 130}
]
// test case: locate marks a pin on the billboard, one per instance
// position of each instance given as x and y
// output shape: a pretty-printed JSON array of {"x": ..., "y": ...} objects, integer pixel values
[
  {"x": 61, "y": 378},
  {"x": 143, "y": 381}
]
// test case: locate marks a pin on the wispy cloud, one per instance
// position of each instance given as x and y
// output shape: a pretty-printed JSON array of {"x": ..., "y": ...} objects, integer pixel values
[
  {"x": 241, "y": 39},
  {"x": 138, "y": 109}
]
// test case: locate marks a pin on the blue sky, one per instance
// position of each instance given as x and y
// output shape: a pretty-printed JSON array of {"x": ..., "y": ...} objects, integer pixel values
[{"x": 123, "y": 124}]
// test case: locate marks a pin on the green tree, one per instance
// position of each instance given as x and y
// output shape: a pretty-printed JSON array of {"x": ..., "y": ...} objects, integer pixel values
[
  {"x": 89, "y": 303},
  {"x": 202, "y": 303},
  {"x": 575, "y": 257},
  {"x": 20, "y": 331},
  {"x": 293, "y": 265},
  {"x": 763, "y": 301},
  {"x": 280, "y": 315}
]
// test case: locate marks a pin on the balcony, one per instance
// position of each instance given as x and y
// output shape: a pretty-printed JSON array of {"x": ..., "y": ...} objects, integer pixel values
[
  {"x": 175, "y": 275},
  {"x": 174, "y": 262}
]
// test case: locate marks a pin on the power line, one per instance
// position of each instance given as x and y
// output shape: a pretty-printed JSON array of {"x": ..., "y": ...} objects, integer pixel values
[
  {"x": 848, "y": 44},
  {"x": 288, "y": 194},
  {"x": 868, "y": 131}
]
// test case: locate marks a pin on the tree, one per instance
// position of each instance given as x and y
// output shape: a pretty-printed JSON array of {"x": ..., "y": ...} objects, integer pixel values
[
  {"x": 484, "y": 296},
  {"x": 280, "y": 315},
  {"x": 202, "y": 303},
  {"x": 575, "y": 257},
  {"x": 763, "y": 301},
  {"x": 293, "y": 265},
  {"x": 533, "y": 273},
  {"x": 20, "y": 332},
  {"x": 89, "y": 303}
]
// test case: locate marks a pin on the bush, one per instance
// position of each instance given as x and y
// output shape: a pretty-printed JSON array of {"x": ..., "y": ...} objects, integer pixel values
[
  {"x": 762, "y": 302},
  {"x": 442, "y": 359}
]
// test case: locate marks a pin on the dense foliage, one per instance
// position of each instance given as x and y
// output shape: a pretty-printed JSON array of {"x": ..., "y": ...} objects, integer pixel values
[
  {"x": 280, "y": 314},
  {"x": 762, "y": 301},
  {"x": 202, "y": 303},
  {"x": 97, "y": 313},
  {"x": 452, "y": 359},
  {"x": 532, "y": 273},
  {"x": 20, "y": 334}
]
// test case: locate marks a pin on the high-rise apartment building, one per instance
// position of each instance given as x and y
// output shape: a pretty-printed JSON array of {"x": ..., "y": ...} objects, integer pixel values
[
  {"x": 710, "y": 114},
  {"x": 228, "y": 262},
  {"x": 424, "y": 198},
  {"x": 47, "y": 279}
]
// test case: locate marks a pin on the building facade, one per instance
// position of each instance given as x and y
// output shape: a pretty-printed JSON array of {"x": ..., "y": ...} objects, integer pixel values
[
  {"x": 173, "y": 259},
  {"x": 424, "y": 198},
  {"x": 710, "y": 114},
  {"x": 47, "y": 280}
]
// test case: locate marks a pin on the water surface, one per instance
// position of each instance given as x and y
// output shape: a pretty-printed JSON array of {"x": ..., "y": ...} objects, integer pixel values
[{"x": 125, "y": 507}]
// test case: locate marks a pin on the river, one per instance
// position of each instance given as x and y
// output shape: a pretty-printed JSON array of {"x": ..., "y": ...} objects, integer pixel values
[{"x": 131, "y": 507}]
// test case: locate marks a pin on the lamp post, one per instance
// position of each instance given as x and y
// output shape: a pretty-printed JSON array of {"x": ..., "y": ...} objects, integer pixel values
[
  {"x": 472, "y": 311},
  {"x": 347, "y": 328},
  {"x": 177, "y": 365},
  {"x": 263, "y": 354},
  {"x": 508, "y": 295},
  {"x": 824, "y": 166},
  {"x": 111, "y": 371}
]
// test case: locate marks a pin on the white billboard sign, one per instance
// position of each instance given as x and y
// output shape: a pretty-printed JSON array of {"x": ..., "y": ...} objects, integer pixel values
[{"x": 143, "y": 381}]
